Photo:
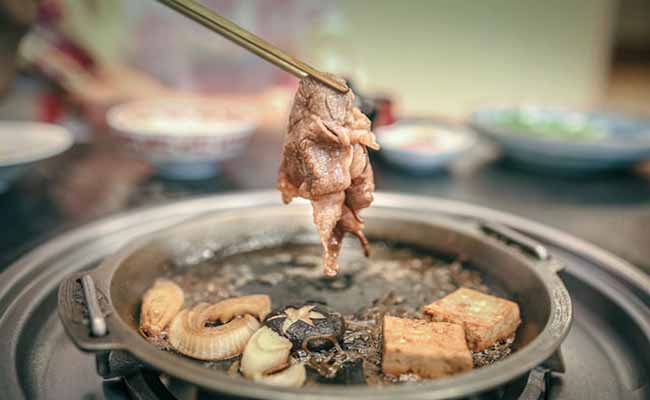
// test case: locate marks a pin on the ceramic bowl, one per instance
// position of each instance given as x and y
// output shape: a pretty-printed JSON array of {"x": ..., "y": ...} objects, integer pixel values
[
  {"x": 184, "y": 138},
  {"x": 555, "y": 139},
  {"x": 22, "y": 144},
  {"x": 423, "y": 146}
]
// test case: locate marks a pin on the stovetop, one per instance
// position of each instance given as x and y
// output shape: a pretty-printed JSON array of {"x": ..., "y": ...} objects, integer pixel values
[{"x": 604, "y": 354}]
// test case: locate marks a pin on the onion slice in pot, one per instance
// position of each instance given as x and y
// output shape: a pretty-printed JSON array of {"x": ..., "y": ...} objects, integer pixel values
[
  {"x": 294, "y": 376},
  {"x": 258, "y": 305},
  {"x": 265, "y": 352},
  {"x": 189, "y": 335},
  {"x": 160, "y": 304}
]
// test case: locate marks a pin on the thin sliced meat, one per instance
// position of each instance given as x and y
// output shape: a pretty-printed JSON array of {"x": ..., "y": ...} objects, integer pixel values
[{"x": 325, "y": 160}]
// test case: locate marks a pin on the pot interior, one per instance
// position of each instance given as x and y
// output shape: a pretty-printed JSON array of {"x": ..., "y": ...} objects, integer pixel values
[{"x": 253, "y": 245}]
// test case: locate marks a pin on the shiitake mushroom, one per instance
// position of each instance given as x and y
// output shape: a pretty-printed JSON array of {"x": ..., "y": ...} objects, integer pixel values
[{"x": 313, "y": 325}]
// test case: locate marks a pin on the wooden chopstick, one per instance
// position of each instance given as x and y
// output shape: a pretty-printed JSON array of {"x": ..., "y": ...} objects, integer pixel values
[{"x": 250, "y": 41}]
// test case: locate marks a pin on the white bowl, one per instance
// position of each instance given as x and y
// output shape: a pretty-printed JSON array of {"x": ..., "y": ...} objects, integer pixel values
[
  {"x": 24, "y": 143},
  {"x": 423, "y": 146},
  {"x": 185, "y": 138}
]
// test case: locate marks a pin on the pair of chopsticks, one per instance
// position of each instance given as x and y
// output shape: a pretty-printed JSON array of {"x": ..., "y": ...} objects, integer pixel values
[{"x": 249, "y": 41}]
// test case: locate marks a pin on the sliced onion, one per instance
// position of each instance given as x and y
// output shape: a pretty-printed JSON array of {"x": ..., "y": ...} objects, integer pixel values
[
  {"x": 258, "y": 305},
  {"x": 265, "y": 352},
  {"x": 160, "y": 304},
  {"x": 189, "y": 335},
  {"x": 294, "y": 376}
]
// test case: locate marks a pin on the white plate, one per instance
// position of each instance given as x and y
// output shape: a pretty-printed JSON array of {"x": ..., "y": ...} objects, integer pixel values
[{"x": 23, "y": 143}]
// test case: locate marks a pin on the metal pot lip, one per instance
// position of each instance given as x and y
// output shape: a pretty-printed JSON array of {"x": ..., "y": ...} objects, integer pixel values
[{"x": 534, "y": 353}]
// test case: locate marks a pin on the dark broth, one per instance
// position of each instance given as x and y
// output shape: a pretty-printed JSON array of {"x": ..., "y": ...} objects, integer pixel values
[{"x": 395, "y": 280}]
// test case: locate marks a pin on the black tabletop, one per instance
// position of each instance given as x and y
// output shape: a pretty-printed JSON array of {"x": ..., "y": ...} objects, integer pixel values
[{"x": 99, "y": 178}]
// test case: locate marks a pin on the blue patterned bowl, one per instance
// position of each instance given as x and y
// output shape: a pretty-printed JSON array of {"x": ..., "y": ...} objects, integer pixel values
[
  {"x": 185, "y": 138},
  {"x": 423, "y": 146},
  {"x": 565, "y": 140}
]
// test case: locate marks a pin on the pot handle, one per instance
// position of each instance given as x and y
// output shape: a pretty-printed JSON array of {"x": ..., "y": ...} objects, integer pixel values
[
  {"x": 526, "y": 244},
  {"x": 561, "y": 317},
  {"x": 83, "y": 310}
]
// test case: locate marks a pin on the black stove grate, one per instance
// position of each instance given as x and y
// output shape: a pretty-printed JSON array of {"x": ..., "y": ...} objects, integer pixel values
[{"x": 150, "y": 385}]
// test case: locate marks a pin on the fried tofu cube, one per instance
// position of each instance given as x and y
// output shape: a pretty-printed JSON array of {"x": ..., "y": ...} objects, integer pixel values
[
  {"x": 428, "y": 349},
  {"x": 486, "y": 319}
]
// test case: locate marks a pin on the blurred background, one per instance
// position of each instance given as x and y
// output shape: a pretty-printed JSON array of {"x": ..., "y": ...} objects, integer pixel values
[{"x": 536, "y": 108}]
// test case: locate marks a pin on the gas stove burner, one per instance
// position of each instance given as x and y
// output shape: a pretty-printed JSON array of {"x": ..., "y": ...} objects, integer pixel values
[
  {"x": 148, "y": 385},
  {"x": 145, "y": 384},
  {"x": 603, "y": 357}
]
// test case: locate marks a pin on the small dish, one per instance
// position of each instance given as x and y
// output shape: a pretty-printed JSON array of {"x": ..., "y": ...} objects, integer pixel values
[
  {"x": 565, "y": 140},
  {"x": 185, "y": 138},
  {"x": 423, "y": 146},
  {"x": 24, "y": 143}
]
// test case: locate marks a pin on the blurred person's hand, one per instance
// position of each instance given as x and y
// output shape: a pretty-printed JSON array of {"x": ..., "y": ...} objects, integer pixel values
[
  {"x": 93, "y": 86},
  {"x": 113, "y": 84},
  {"x": 16, "y": 17}
]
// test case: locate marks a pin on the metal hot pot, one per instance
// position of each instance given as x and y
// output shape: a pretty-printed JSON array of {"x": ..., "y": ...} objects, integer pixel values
[{"x": 100, "y": 309}]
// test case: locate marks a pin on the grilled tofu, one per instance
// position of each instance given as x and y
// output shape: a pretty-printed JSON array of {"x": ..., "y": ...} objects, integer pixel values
[
  {"x": 428, "y": 349},
  {"x": 486, "y": 319}
]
